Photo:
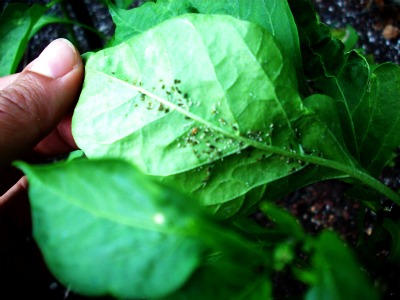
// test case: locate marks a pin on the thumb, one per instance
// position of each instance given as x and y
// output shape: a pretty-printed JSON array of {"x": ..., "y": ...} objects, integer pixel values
[{"x": 32, "y": 105}]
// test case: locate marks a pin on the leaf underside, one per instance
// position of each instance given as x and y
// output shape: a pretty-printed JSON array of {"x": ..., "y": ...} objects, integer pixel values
[{"x": 202, "y": 115}]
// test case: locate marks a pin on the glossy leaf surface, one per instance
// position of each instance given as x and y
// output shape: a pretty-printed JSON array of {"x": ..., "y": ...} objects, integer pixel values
[
  {"x": 173, "y": 109},
  {"x": 366, "y": 100},
  {"x": 377, "y": 118},
  {"x": 104, "y": 228},
  {"x": 274, "y": 16},
  {"x": 207, "y": 108}
]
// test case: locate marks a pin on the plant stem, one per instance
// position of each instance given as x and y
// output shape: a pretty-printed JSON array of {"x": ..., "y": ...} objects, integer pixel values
[{"x": 352, "y": 171}]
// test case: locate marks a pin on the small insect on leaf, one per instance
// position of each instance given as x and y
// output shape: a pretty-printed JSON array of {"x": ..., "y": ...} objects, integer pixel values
[{"x": 194, "y": 131}]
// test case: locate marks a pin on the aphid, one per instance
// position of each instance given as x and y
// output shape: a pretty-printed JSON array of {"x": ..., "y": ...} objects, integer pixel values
[
  {"x": 176, "y": 81},
  {"x": 194, "y": 131},
  {"x": 211, "y": 146},
  {"x": 217, "y": 139}
]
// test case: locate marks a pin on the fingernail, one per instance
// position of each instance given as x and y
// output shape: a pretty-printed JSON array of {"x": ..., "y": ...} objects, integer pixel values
[{"x": 58, "y": 59}]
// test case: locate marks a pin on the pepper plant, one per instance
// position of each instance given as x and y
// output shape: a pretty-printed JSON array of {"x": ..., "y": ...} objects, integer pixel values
[{"x": 196, "y": 115}]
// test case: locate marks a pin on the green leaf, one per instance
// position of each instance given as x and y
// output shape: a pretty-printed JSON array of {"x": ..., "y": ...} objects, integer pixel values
[
  {"x": 342, "y": 76},
  {"x": 366, "y": 102},
  {"x": 16, "y": 23},
  {"x": 275, "y": 16},
  {"x": 104, "y": 228},
  {"x": 207, "y": 103},
  {"x": 46, "y": 20},
  {"x": 321, "y": 133},
  {"x": 210, "y": 283},
  {"x": 286, "y": 223},
  {"x": 138, "y": 20},
  {"x": 321, "y": 54},
  {"x": 337, "y": 274},
  {"x": 348, "y": 88},
  {"x": 377, "y": 118},
  {"x": 348, "y": 36},
  {"x": 185, "y": 106},
  {"x": 123, "y": 3}
]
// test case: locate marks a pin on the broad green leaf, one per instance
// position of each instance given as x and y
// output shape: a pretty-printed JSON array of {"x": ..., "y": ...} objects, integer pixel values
[
  {"x": 207, "y": 103},
  {"x": 16, "y": 23},
  {"x": 275, "y": 16},
  {"x": 365, "y": 100},
  {"x": 321, "y": 133},
  {"x": 321, "y": 54},
  {"x": 348, "y": 87},
  {"x": 138, "y": 20},
  {"x": 344, "y": 77},
  {"x": 104, "y": 228},
  {"x": 197, "y": 89},
  {"x": 377, "y": 118},
  {"x": 337, "y": 274}
]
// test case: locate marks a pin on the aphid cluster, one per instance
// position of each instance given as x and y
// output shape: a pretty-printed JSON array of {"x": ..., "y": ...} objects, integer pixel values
[
  {"x": 208, "y": 144},
  {"x": 171, "y": 93},
  {"x": 175, "y": 96}
]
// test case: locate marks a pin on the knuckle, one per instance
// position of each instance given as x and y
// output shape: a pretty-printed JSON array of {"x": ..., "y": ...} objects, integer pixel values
[{"x": 21, "y": 102}]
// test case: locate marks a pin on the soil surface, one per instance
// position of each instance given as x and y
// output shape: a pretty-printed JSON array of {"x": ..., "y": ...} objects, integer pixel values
[{"x": 23, "y": 275}]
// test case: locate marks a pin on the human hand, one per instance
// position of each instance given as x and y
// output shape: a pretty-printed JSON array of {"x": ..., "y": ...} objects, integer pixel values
[{"x": 35, "y": 109}]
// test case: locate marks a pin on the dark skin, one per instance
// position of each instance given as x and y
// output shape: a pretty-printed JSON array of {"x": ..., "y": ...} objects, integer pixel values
[
  {"x": 35, "y": 113},
  {"x": 35, "y": 122}
]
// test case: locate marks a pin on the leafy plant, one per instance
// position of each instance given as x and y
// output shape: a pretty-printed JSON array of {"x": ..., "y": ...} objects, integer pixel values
[{"x": 226, "y": 104}]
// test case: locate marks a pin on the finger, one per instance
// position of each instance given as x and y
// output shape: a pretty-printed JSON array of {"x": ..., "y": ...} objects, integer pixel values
[
  {"x": 59, "y": 141},
  {"x": 34, "y": 103},
  {"x": 7, "y": 80},
  {"x": 17, "y": 191}
]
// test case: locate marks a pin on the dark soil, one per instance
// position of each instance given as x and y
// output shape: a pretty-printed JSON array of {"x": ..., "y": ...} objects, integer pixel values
[
  {"x": 23, "y": 275},
  {"x": 376, "y": 21}
]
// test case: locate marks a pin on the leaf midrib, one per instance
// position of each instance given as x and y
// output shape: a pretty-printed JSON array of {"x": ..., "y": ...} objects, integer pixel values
[{"x": 316, "y": 160}]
